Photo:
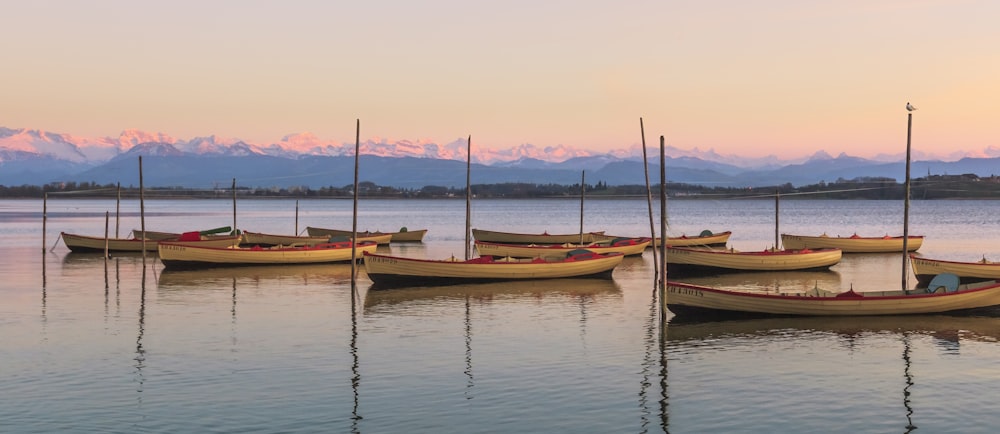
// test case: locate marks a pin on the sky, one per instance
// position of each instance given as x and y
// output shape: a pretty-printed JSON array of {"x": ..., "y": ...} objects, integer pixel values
[{"x": 755, "y": 78}]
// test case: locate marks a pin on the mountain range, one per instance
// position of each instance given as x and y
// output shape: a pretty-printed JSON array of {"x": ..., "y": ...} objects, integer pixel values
[{"x": 36, "y": 157}]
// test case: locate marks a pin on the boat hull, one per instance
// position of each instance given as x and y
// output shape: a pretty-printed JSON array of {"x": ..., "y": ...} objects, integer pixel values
[
  {"x": 685, "y": 261},
  {"x": 392, "y": 271},
  {"x": 968, "y": 272},
  {"x": 684, "y": 299},
  {"x": 180, "y": 256},
  {"x": 852, "y": 244}
]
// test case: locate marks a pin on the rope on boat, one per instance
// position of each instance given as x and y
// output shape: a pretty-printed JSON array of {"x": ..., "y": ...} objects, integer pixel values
[{"x": 56, "y": 243}]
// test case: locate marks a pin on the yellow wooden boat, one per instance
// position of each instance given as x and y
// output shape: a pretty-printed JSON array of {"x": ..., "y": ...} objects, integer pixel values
[
  {"x": 968, "y": 272},
  {"x": 690, "y": 261},
  {"x": 625, "y": 246},
  {"x": 700, "y": 301},
  {"x": 404, "y": 235},
  {"x": 542, "y": 238},
  {"x": 705, "y": 238},
  {"x": 83, "y": 243},
  {"x": 176, "y": 255},
  {"x": 394, "y": 271},
  {"x": 853, "y": 243}
]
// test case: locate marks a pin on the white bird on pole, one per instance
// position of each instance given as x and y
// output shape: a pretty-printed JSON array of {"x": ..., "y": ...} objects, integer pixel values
[{"x": 910, "y": 107}]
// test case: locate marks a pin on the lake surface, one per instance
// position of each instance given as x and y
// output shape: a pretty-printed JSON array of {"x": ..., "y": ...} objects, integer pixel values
[{"x": 116, "y": 346}]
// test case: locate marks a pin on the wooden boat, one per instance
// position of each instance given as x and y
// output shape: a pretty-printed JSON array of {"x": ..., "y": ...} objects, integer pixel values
[
  {"x": 404, "y": 235},
  {"x": 166, "y": 236},
  {"x": 263, "y": 240},
  {"x": 268, "y": 240},
  {"x": 83, "y": 243},
  {"x": 394, "y": 271},
  {"x": 177, "y": 255},
  {"x": 968, "y": 272},
  {"x": 699, "y": 301},
  {"x": 542, "y": 238},
  {"x": 705, "y": 238},
  {"x": 690, "y": 261},
  {"x": 853, "y": 243},
  {"x": 625, "y": 246}
]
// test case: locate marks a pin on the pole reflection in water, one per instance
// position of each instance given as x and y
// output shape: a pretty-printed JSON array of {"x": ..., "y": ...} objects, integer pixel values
[
  {"x": 468, "y": 348},
  {"x": 140, "y": 352},
  {"x": 43, "y": 291},
  {"x": 909, "y": 383},
  {"x": 648, "y": 363},
  {"x": 233, "y": 339},
  {"x": 355, "y": 373}
]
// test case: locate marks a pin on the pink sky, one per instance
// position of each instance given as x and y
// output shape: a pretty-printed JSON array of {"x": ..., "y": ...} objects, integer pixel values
[{"x": 780, "y": 77}]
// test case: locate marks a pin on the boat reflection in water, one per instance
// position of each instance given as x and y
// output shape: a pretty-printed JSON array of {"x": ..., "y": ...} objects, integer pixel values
[
  {"x": 306, "y": 274},
  {"x": 771, "y": 282},
  {"x": 388, "y": 300},
  {"x": 946, "y": 329}
]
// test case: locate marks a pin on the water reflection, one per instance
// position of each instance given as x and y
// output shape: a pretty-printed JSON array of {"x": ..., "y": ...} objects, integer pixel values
[
  {"x": 305, "y": 275},
  {"x": 397, "y": 299},
  {"x": 702, "y": 340},
  {"x": 947, "y": 330}
]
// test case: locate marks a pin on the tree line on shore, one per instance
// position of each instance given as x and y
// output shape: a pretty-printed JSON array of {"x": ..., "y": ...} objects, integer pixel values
[{"x": 966, "y": 186}]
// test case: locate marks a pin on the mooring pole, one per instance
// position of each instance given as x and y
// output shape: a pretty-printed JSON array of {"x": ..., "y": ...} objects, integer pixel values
[
  {"x": 663, "y": 231},
  {"x": 906, "y": 204}
]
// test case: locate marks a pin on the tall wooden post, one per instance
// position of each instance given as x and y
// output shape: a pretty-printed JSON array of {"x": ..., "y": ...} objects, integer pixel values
[
  {"x": 649, "y": 195},
  {"x": 235, "y": 231},
  {"x": 142, "y": 219},
  {"x": 296, "y": 217},
  {"x": 583, "y": 192},
  {"x": 663, "y": 231},
  {"x": 45, "y": 217},
  {"x": 118, "y": 211},
  {"x": 468, "y": 200},
  {"x": 906, "y": 205},
  {"x": 777, "y": 195},
  {"x": 354, "y": 212}
]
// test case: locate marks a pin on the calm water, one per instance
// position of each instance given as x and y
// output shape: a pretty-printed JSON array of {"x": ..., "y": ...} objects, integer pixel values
[{"x": 95, "y": 346}]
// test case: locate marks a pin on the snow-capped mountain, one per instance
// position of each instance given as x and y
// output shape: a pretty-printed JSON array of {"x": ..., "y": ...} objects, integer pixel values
[
  {"x": 38, "y": 157},
  {"x": 94, "y": 151}
]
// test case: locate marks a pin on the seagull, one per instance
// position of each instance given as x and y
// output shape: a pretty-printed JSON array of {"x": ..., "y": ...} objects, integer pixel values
[{"x": 910, "y": 107}]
